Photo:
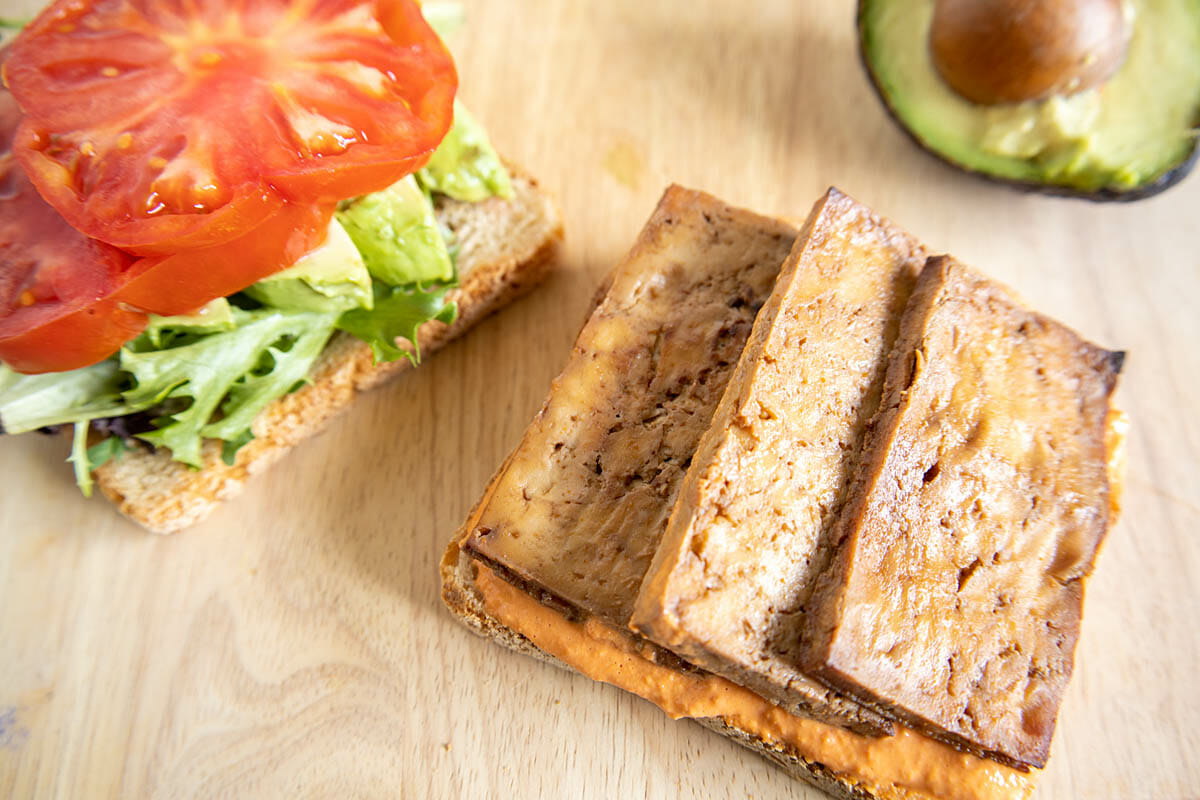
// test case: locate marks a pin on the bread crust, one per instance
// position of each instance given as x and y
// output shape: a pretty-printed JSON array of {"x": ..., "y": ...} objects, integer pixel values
[{"x": 505, "y": 249}]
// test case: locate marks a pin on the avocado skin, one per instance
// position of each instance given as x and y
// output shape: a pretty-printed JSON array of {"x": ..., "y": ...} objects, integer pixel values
[{"x": 1105, "y": 195}]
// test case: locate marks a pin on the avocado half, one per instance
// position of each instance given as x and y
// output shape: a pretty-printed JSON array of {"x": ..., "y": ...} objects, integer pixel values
[{"x": 1129, "y": 139}]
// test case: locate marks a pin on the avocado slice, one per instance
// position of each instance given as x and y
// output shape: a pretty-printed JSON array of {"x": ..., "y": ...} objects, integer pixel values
[
  {"x": 1130, "y": 138},
  {"x": 332, "y": 277},
  {"x": 397, "y": 234}
]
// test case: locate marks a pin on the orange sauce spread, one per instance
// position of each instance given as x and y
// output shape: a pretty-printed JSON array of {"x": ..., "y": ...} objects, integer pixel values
[{"x": 907, "y": 765}]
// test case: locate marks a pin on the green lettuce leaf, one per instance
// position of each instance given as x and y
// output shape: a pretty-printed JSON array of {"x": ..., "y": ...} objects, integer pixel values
[
  {"x": 238, "y": 372},
  {"x": 229, "y": 449},
  {"x": 105, "y": 451},
  {"x": 465, "y": 166},
  {"x": 399, "y": 311},
  {"x": 213, "y": 317},
  {"x": 79, "y": 459},
  {"x": 29, "y": 402},
  {"x": 285, "y": 370},
  {"x": 87, "y": 460}
]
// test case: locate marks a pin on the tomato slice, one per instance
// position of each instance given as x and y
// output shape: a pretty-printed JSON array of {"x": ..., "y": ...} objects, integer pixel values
[
  {"x": 56, "y": 312},
  {"x": 67, "y": 301},
  {"x": 160, "y": 126},
  {"x": 43, "y": 340},
  {"x": 353, "y": 78},
  {"x": 184, "y": 281}
]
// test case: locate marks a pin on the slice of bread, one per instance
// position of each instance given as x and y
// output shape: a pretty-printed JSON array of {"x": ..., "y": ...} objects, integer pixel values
[
  {"x": 505, "y": 249},
  {"x": 750, "y": 530},
  {"x": 955, "y": 597}
]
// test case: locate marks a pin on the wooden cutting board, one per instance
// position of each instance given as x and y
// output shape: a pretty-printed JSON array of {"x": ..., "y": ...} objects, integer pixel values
[{"x": 294, "y": 645}]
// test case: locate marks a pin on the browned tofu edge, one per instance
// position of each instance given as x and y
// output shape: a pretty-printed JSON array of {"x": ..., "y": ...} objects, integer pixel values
[
  {"x": 654, "y": 615},
  {"x": 826, "y": 604}
]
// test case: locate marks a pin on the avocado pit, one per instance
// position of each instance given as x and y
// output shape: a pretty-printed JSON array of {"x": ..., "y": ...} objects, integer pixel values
[{"x": 1009, "y": 51}]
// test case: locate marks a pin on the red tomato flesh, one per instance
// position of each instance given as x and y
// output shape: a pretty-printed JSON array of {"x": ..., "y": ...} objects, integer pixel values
[
  {"x": 175, "y": 284},
  {"x": 210, "y": 139},
  {"x": 160, "y": 126},
  {"x": 55, "y": 283},
  {"x": 68, "y": 301}
]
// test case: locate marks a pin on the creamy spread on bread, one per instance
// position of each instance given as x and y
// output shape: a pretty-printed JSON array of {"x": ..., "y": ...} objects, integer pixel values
[{"x": 900, "y": 767}]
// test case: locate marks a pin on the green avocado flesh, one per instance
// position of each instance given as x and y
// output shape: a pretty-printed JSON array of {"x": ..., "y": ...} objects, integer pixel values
[
  {"x": 465, "y": 166},
  {"x": 331, "y": 278},
  {"x": 1122, "y": 136},
  {"x": 397, "y": 234}
]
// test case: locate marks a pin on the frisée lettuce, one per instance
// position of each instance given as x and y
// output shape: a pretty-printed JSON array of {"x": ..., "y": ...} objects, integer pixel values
[{"x": 237, "y": 372}]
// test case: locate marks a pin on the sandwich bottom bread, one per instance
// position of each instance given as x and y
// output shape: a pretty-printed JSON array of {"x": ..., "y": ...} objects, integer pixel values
[
  {"x": 505, "y": 249},
  {"x": 558, "y": 560}
]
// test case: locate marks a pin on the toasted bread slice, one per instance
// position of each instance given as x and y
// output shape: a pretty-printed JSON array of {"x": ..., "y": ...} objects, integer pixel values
[
  {"x": 750, "y": 530},
  {"x": 581, "y": 505},
  {"x": 505, "y": 249},
  {"x": 955, "y": 597}
]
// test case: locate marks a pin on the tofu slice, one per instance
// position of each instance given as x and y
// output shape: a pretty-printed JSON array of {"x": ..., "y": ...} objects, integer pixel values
[
  {"x": 580, "y": 506},
  {"x": 955, "y": 597},
  {"x": 752, "y": 525}
]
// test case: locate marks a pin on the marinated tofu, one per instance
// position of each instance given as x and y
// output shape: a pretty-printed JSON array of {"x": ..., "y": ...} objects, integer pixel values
[
  {"x": 578, "y": 510},
  {"x": 751, "y": 528},
  {"x": 955, "y": 596}
]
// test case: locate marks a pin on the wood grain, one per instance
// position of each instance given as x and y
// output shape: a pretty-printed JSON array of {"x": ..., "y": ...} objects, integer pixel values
[{"x": 294, "y": 645}]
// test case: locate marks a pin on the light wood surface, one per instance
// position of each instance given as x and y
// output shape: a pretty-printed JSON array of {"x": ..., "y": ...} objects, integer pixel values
[{"x": 295, "y": 646}]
